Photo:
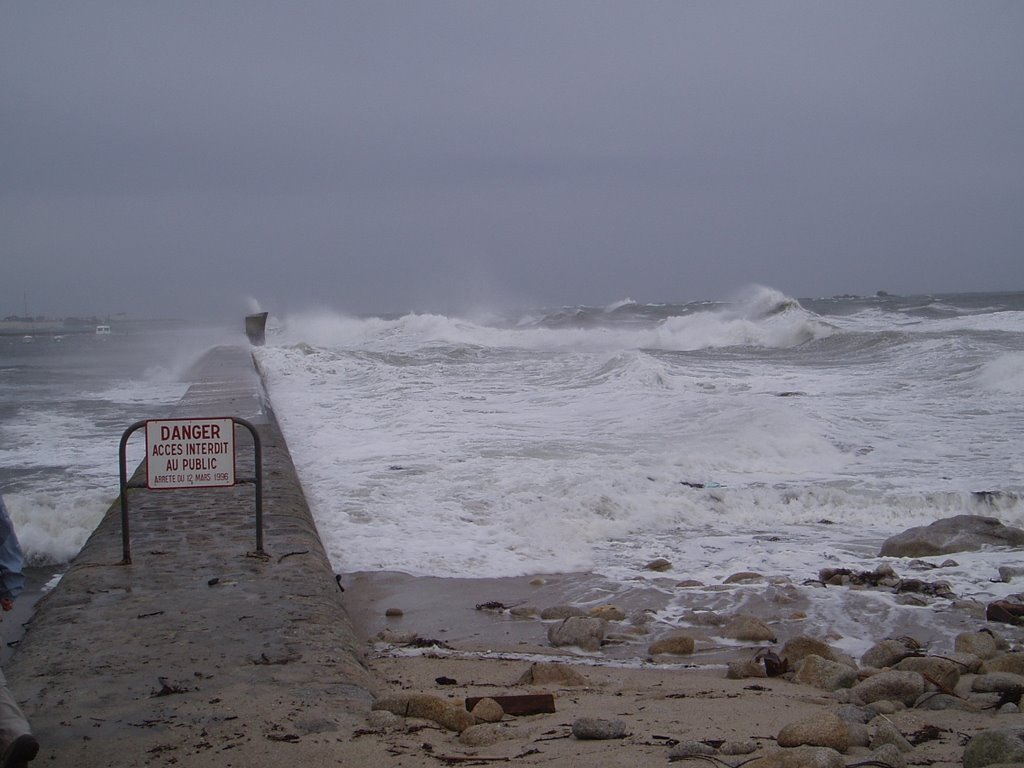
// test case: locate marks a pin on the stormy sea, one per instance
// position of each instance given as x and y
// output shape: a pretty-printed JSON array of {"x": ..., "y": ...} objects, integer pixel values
[{"x": 763, "y": 435}]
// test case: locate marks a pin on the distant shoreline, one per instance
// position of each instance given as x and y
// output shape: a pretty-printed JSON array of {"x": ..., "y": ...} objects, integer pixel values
[{"x": 69, "y": 326}]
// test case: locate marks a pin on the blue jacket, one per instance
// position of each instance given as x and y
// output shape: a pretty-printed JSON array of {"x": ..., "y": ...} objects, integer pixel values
[{"x": 11, "y": 558}]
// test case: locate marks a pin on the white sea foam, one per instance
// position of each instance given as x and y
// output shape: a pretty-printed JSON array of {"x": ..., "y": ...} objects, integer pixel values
[
  {"x": 754, "y": 435},
  {"x": 53, "y": 523},
  {"x": 1005, "y": 374},
  {"x": 566, "y": 434}
]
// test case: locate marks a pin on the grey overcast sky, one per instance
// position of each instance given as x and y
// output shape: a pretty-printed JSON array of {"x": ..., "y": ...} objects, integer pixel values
[{"x": 171, "y": 159}]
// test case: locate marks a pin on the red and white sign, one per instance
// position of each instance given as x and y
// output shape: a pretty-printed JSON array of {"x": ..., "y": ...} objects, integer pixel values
[{"x": 190, "y": 453}]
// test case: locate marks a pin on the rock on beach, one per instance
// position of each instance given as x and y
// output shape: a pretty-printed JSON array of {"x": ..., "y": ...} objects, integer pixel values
[
  {"x": 488, "y": 711},
  {"x": 799, "y": 757},
  {"x": 943, "y": 673},
  {"x": 904, "y": 687},
  {"x": 598, "y": 728},
  {"x": 996, "y": 746},
  {"x": 824, "y": 729},
  {"x": 552, "y": 673},
  {"x": 887, "y": 653},
  {"x": 1007, "y": 662},
  {"x": 981, "y": 644},
  {"x": 427, "y": 707},
  {"x": 827, "y": 675}
]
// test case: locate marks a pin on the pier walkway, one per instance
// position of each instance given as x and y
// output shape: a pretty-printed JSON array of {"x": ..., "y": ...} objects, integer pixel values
[{"x": 201, "y": 652}]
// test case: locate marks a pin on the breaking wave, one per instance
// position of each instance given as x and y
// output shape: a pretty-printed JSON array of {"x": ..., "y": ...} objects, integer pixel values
[{"x": 760, "y": 318}]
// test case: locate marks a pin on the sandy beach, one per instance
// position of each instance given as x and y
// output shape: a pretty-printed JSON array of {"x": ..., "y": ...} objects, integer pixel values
[{"x": 442, "y": 645}]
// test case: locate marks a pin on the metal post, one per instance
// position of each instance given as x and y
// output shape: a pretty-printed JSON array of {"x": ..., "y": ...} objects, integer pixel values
[
  {"x": 126, "y": 548},
  {"x": 258, "y": 461}
]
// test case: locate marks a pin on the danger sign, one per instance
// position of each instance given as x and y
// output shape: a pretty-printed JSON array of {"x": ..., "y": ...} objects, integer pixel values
[{"x": 190, "y": 453}]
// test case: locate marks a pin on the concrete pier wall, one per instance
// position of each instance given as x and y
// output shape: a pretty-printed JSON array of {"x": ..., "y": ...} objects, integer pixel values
[{"x": 200, "y": 652}]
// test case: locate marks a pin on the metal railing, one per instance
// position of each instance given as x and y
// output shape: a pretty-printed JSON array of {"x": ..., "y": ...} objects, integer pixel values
[{"x": 257, "y": 479}]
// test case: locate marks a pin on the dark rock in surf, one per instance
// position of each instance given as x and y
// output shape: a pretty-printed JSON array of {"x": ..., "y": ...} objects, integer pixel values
[
  {"x": 749, "y": 629},
  {"x": 582, "y": 632},
  {"x": 658, "y": 564},
  {"x": 962, "y": 533},
  {"x": 745, "y": 577},
  {"x": 559, "y": 612},
  {"x": 1007, "y": 573},
  {"x": 676, "y": 644},
  {"x": 1006, "y": 612},
  {"x": 882, "y": 576},
  {"x": 607, "y": 612}
]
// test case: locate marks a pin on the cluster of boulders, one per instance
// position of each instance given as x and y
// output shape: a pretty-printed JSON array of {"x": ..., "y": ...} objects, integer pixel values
[{"x": 980, "y": 674}]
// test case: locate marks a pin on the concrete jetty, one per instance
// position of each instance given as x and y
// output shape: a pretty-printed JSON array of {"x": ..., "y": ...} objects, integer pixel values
[{"x": 201, "y": 651}]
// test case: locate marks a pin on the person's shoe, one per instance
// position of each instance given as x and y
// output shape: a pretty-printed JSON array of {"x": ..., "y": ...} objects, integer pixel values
[{"x": 20, "y": 752}]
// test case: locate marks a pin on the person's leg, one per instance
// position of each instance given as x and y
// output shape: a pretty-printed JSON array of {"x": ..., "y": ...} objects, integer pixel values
[
  {"x": 12, "y": 720},
  {"x": 17, "y": 745}
]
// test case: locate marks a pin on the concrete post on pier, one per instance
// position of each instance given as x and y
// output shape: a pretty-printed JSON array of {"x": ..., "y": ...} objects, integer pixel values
[{"x": 255, "y": 328}]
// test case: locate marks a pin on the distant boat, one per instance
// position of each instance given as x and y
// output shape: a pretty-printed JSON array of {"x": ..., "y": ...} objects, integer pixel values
[
  {"x": 102, "y": 330},
  {"x": 58, "y": 338},
  {"x": 27, "y": 339}
]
